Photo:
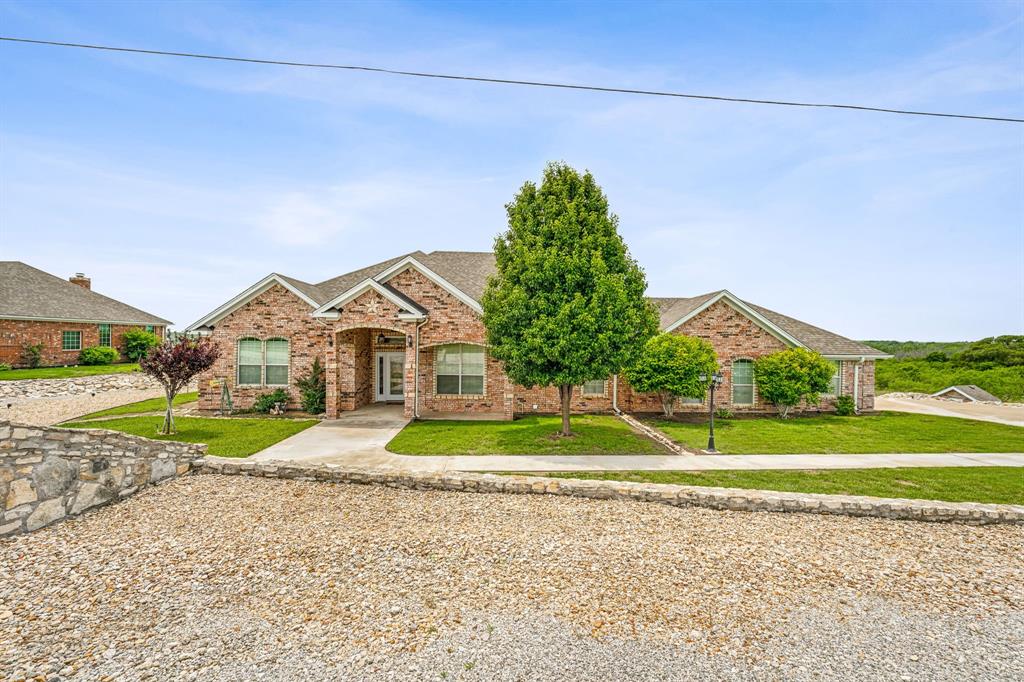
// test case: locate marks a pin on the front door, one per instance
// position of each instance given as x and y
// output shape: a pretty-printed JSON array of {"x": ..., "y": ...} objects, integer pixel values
[{"x": 390, "y": 377}]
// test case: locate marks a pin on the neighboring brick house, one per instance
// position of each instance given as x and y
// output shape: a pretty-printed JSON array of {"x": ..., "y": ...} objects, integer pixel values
[
  {"x": 409, "y": 330},
  {"x": 64, "y": 316}
]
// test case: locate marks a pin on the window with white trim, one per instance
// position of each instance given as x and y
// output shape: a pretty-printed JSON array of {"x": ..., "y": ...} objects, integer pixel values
[
  {"x": 105, "y": 335},
  {"x": 71, "y": 340},
  {"x": 742, "y": 382},
  {"x": 837, "y": 378},
  {"x": 594, "y": 387},
  {"x": 250, "y": 362},
  {"x": 459, "y": 369},
  {"x": 276, "y": 362}
]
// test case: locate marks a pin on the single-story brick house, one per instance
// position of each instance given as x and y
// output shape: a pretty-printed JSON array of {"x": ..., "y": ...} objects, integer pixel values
[
  {"x": 63, "y": 315},
  {"x": 409, "y": 330}
]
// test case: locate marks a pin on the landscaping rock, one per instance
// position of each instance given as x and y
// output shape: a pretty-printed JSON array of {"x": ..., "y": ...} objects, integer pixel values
[
  {"x": 46, "y": 513},
  {"x": 53, "y": 476}
]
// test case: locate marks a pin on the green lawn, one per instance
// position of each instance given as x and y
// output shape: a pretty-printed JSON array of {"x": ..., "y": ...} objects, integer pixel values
[
  {"x": 226, "y": 437},
  {"x": 595, "y": 435},
  {"x": 151, "y": 405},
  {"x": 885, "y": 432},
  {"x": 1002, "y": 485},
  {"x": 64, "y": 372}
]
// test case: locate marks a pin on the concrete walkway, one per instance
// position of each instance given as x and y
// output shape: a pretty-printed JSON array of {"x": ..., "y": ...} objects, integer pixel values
[{"x": 358, "y": 439}]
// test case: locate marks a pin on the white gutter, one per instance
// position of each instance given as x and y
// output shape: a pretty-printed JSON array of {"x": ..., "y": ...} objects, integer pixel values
[
  {"x": 615, "y": 394},
  {"x": 856, "y": 385},
  {"x": 416, "y": 374}
]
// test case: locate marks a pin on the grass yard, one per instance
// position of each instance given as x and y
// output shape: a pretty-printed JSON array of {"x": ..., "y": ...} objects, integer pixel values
[
  {"x": 65, "y": 372},
  {"x": 1000, "y": 485},
  {"x": 595, "y": 435},
  {"x": 885, "y": 432},
  {"x": 225, "y": 437},
  {"x": 151, "y": 405}
]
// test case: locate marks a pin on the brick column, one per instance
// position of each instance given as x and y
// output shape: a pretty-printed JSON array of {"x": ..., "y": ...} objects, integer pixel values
[{"x": 331, "y": 372}]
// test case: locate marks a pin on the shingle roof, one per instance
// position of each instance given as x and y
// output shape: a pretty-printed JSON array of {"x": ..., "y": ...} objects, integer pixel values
[
  {"x": 27, "y": 292},
  {"x": 469, "y": 270},
  {"x": 971, "y": 391}
]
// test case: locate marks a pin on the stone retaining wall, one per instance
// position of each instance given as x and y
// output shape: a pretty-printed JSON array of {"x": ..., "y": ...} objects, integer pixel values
[
  {"x": 49, "y": 473},
  {"x": 732, "y": 499},
  {"x": 51, "y": 388}
]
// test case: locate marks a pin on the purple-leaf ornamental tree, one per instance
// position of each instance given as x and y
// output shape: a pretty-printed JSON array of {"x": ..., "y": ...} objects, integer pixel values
[{"x": 174, "y": 364}]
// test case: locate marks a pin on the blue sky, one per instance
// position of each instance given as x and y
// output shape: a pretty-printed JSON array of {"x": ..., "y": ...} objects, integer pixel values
[{"x": 177, "y": 183}]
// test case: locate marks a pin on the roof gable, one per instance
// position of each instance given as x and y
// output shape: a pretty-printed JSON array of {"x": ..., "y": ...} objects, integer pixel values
[
  {"x": 301, "y": 289},
  {"x": 29, "y": 293}
]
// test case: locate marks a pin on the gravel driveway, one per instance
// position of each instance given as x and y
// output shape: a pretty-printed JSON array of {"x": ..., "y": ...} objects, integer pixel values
[
  {"x": 47, "y": 411},
  {"x": 218, "y": 578}
]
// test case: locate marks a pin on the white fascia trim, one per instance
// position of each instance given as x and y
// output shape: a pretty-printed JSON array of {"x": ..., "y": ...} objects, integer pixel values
[
  {"x": 739, "y": 305},
  {"x": 326, "y": 310},
  {"x": 410, "y": 262},
  {"x": 946, "y": 390},
  {"x": 856, "y": 356},
  {"x": 244, "y": 297}
]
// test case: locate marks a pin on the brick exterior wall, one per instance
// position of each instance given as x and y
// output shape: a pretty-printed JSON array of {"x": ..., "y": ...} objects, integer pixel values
[
  {"x": 16, "y": 334},
  {"x": 275, "y": 314},
  {"x": 348, "y": 346}
]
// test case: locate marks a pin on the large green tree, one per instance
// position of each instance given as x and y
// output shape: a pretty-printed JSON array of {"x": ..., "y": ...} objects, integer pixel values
[
  {"x": 567, "y": 303},
  {"x": 671, "y": 366}
]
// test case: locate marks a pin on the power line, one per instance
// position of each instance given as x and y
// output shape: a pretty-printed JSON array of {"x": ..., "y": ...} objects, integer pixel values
[{"x": 509, "y": 81}]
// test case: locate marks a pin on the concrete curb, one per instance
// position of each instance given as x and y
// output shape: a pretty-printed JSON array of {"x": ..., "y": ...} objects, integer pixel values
[{"x": 731, "y": 499}]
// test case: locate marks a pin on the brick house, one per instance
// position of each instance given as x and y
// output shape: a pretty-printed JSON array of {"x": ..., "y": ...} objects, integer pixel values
[
  {"x": 64, "y": 316},
  {"x": 409, "y": 330}
]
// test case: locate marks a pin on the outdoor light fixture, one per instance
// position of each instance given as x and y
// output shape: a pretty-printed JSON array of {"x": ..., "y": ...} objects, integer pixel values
[
  {"x": 715, "y": 380},
  {"x": 381, "y": 339}
]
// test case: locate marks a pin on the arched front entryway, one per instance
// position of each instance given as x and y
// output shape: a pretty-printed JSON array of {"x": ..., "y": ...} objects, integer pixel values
[{"x": 370, "y": 367}]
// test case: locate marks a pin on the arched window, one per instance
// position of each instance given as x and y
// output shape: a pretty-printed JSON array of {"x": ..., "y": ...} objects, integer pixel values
[
  {"x": 276, "y": 362},
  {"x": 250, "y": 362},
  {"x": 459, "y": 369},
  {"x": 742, "y": 382}
]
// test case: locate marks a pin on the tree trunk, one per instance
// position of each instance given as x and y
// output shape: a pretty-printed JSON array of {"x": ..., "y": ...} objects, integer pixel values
[
  {"x": 668, "y": 403},
  {"x": 565, "y": 393},
  {"x": 168, "y": 425},
  {"x": 784, "y": 411}
]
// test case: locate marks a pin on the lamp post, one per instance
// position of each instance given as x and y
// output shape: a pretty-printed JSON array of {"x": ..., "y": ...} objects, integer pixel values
[{"x": 714, "y": 380}]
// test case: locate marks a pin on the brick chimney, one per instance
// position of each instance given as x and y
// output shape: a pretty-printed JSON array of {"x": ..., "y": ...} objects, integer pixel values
[{"x": 81, "y": 280}]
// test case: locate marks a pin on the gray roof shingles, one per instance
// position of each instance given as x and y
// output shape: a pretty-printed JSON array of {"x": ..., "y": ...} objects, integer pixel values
[
  {"x": 27, "y": 292},
  {"x": 469, "y": 270}
]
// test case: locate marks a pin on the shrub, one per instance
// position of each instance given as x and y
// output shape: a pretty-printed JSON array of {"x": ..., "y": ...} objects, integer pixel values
[
  {"x": 723, "y": 413},
  {"x": 98, "y": 355},
  {"x": 137, "y": 343},
  {"x": 313, "y": 389},
  {"x": 671, "y": 366},
  {"x": 936, "y": 356},
  {"x": 790, "y": 376},
  {"x": 32, "y": 354},
  {"x": 844, "y": 406},
  {"x": 4, "y": 367},
  {"x": 265, "y": 402}
]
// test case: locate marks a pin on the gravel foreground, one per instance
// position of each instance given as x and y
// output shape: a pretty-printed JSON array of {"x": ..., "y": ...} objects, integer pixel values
[{"x": 233, "y": 578}]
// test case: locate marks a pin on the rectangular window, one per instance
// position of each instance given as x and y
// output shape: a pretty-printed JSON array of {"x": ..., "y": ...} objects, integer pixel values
[
  {"x": 742, "y": 382},
  {"x": 837, "y": 378},
  {"x": 594, "y": 387},
  {"x": 277, "y": 362},
  {"x": 71, "y": 340},
  {"x": 250, "y": 362},
  {"x": 460, "y": 369},
  {"x": 105, "y": 335}
]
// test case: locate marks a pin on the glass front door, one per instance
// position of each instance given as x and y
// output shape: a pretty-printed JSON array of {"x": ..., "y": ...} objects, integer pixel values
[{"x": 390, "y": 376}]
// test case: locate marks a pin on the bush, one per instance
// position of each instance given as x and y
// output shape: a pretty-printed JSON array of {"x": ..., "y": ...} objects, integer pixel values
[
  {"x": 723, "y": 413},
  {"x": 32, "y": 354},
  {"x": 265, "y": 402},
  {"x": 98, "y": 355},
  {"x": 999, "y": 351},
  {"x": 4, "y": 367},
  {"x": 845, "y": 406},
  {"x": 791, "y": 376},
  {"x": 671, "y": 366},
  {"x": 313, "y": 389},
  {"x": 936, "y": 356},
  {"x": 137, "y": 343}
]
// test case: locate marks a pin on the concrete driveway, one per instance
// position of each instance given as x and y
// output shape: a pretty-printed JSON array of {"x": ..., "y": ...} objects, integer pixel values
[
  {"x": 357, "y": 438},
  {"x": 1000, "y": 414}
]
